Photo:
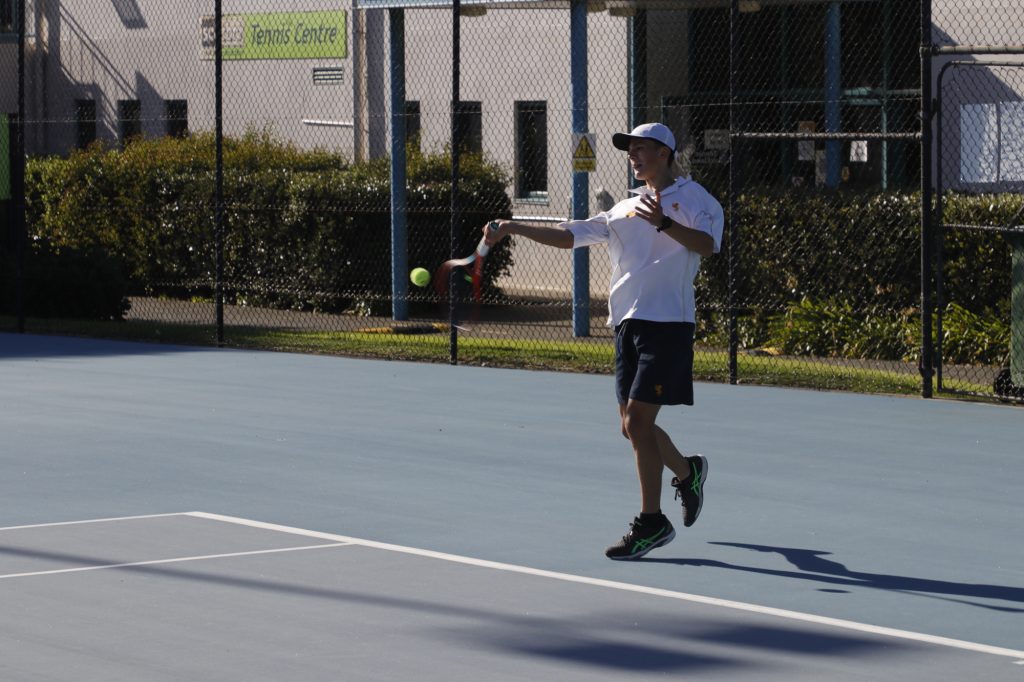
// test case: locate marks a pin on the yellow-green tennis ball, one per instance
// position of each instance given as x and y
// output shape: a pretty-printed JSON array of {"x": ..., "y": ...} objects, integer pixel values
[{"x": 420, "y": 277}]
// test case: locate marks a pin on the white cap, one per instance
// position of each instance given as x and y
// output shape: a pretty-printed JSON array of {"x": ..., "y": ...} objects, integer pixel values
[{"x": 649, "y": 131}]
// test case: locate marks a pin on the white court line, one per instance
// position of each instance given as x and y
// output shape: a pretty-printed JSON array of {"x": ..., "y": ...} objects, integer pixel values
[
  {"x": 81, "y": 569},
  {"x": 77, "y": 523},
  {"x": 597, "y": 582}
]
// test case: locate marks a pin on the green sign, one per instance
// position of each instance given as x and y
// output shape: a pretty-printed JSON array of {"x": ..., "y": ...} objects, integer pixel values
[
  {"x": 5, "y": 158},
  {"x": 278, "y": 35}
]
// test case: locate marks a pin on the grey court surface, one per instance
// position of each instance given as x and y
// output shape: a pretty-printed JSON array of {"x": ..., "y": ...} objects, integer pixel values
[{"x": 193, "y": 514}]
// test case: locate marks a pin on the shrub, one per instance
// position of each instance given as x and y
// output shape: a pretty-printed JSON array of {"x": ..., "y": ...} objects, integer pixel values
[
  {"x": 304, "y": 229},
  {"x": 67, "y": 282},
  {"x": 835, "y": 328},
  {"x": 848, "y": 265}
]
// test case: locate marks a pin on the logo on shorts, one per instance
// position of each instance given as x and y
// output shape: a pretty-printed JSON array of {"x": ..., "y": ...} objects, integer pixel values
[{"x": 657, "y": 390}]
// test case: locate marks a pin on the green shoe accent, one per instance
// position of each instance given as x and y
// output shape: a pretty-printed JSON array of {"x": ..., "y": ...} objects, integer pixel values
[
  {"x": 646, "y": 543},
  {"x": 694, "y": 479}
]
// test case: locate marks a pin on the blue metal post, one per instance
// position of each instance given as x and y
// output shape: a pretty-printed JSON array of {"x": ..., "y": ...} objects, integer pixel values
[
  {"x": 833, "y": 86},
  {"x": 399, "y": 226},
  {"x": 580, "y": 181}
]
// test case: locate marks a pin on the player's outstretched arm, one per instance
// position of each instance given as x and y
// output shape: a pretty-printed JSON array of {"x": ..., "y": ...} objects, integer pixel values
[{"x": 543, "y": 234}]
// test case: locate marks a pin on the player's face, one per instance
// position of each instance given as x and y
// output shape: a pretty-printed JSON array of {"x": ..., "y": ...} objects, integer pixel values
[{"x": 647, "y": 158}]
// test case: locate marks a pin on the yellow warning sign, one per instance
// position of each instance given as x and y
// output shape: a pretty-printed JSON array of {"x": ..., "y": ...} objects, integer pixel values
[{"x": 584, "y": 158}]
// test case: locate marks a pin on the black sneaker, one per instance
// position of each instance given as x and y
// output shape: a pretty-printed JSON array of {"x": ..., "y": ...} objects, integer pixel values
[
  {"x": 691, "y": 491},
  {"x": 641, "y": 539}
]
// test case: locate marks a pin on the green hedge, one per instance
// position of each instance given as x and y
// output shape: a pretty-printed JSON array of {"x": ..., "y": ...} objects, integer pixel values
[
  {"x": 834, "y": 273},
  {"x": 305, "y": 229},
  {"x": 838, "y": 274},
  {"x": 65, "y": 282}
]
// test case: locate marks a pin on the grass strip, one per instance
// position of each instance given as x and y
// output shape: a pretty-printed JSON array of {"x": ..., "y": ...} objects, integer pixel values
[{"x": 567, "y": 356}]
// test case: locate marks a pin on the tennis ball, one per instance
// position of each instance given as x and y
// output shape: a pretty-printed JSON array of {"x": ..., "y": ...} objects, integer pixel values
[{"x": 420, "y": 277}]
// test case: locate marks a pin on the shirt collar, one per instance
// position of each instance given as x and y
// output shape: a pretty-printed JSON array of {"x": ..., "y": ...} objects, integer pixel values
[{"x": 643, "y": 189}]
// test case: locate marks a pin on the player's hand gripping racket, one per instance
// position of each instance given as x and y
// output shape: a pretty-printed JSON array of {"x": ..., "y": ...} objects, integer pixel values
[{"x": 473, "y": 264}]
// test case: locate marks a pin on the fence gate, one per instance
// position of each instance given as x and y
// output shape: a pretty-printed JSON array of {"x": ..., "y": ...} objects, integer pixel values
[{"x": 979, "y": 319}]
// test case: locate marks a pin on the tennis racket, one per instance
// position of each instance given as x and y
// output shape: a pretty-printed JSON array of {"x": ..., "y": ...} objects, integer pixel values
[{"x": 473, "y": 265}]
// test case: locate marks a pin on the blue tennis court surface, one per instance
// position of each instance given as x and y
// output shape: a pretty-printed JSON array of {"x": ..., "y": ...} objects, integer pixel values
[{"x": 179, "y": 513}]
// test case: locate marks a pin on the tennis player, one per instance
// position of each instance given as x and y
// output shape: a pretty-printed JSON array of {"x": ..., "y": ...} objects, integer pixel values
[{"x": 655, "y": 239}]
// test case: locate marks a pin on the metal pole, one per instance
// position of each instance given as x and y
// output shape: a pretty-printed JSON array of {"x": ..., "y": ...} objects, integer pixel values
[
  {"x": 580, "y": 181},
  {"x": 218, "y": 198},
  {"x": 399, "y": 227},
  {"x": 453, "y": 335},
  {"x": 18, "y": 172},
  {"x": 939, "y": 228},
  {"x": 833, "y": 90},
  {"x": 637, "y": 69},
  {"x": 927, "y": 359},
  {"x": 734, "y": 186},
  {"x": 637, "y": 77},
  {"x": 886, "y": 77}
]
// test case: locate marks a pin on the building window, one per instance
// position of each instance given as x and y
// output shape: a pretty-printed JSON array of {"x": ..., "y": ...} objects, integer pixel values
[
  {"x": 7, "y": 17},
  {"x": 85, "y": 122},
  {"x": 129, "y": 119},
  {"x": 412, "y": 124},
  {"x": 177, "y": 117},
  {"x": 469, "y": 121},
  {"x": 990, "y": 142},
  {"x": 532, "y": 150}
]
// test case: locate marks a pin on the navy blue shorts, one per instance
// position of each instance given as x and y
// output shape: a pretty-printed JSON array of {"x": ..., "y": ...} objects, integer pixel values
[{"x": 654, "y": 362}]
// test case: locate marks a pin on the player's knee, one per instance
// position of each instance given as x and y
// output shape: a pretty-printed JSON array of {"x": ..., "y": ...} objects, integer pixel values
[{"x": 636, "y": 425}]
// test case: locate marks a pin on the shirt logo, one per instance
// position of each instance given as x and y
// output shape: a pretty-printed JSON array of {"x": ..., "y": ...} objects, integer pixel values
[{"x": 657, "y": 390}]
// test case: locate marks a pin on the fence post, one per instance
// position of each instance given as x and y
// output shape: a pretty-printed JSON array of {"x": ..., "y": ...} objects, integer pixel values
[
  {"x": 18, "y": 178},
  {"x": 1017, "y": 310},
  {"x": 833, "y": 94},
  {"x": 637, "y": 79},
  {"x": 927, "y": 359},
  {"x": 734, "y": 15},
  {"x": 399, "y": 226},
  {"x": 453, "y": 334},
  {"x": 580, "y": 180},
  {"x": 218, "y": 198}
]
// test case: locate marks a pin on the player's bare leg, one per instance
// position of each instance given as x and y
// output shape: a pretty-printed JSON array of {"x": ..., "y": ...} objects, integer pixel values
[
  {"x": 690, "y": 472},
  {"x": 670, "y": 455},
  {"x": 638, "y": 426}
]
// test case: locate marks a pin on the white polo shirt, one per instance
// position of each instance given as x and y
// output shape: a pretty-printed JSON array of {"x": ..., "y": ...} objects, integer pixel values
[{"x": 652, "y": 274}]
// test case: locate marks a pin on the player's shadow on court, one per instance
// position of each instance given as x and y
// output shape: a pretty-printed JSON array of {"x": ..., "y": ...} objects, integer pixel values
[{"x": 812, "y": 565}]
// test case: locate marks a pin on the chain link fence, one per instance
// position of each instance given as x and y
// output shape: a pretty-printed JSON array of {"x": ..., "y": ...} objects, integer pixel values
[
  {"x": 271, "y": 178},
  {"x": 978, "y": 276},
  {"x": 979, "y": 271}
]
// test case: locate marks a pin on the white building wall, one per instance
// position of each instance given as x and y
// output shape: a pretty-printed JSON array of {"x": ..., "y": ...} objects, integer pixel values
[
  {"x": 523, "y": 55},
  {"x": 89, "y": 51},
  {"x": 982, "y": 117}
]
